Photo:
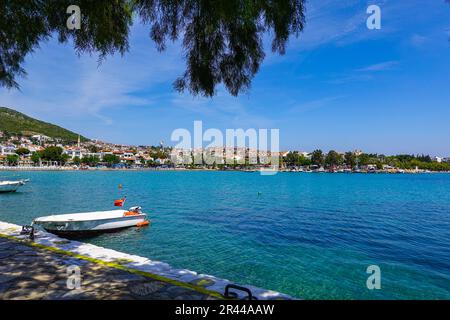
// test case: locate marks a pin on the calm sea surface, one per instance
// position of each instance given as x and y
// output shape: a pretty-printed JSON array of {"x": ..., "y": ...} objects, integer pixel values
[{"x": 308, "y": 235}]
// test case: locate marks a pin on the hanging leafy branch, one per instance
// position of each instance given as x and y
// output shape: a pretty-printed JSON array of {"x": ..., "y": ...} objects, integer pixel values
[{"x": 222, "y": 40}]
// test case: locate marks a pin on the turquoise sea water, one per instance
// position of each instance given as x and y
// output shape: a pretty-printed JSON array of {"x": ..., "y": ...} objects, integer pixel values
[{"x": 308, "y": 235}]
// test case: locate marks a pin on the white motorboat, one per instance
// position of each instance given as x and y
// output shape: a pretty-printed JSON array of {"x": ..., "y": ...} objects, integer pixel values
[
  {"x": 91, "y": 222},
  {"x": 11, "y": 186}
]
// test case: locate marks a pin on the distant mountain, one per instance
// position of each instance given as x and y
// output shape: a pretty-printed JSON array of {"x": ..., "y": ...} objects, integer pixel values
[{"x": 15, "y": 122}]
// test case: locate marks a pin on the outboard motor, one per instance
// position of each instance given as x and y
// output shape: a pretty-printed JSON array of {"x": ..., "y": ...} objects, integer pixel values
[{"x": 136, "y": 209}]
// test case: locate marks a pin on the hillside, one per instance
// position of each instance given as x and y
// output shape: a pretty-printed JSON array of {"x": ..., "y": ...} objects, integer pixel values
[{"x": 15, "y": 122}]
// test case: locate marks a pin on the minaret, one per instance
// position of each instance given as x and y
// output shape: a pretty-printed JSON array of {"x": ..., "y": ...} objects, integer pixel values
[{"x": 78, "y": 141}]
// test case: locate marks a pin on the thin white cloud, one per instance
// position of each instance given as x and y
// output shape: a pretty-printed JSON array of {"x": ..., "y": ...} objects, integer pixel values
[
  {"x": 347, "y": 78},
  {"x": 417, "y": 40},
  {"x": 314, "y": 104},
  {"x": 382, "y": 66},
  {"x": 366, "y": 73},
  {"x": 330, "y": 22}
]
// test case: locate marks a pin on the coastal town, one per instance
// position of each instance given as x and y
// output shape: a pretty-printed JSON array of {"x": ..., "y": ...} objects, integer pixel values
[
  {"x": 41, "y": 152},
  {"x": 223, "y": 159}
]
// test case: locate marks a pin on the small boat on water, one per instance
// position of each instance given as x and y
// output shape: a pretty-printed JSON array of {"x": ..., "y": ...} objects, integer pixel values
[
  {"x": 92, "y": 222},
  {"x": 11, "y": 186}
]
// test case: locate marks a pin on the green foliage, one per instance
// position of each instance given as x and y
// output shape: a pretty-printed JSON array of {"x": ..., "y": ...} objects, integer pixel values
[
  {"x": 222, "y": 39},
  {"x": 25, "y": 24},
  {"x": 91, "y": 161},
  {"x": 22, "y": 151},
  {"x": 64, "y": 158},
  {"x": 151, "y": 163},
  {"x": 350, "y": 159},
  {"x": 296, "y": 159},
  {"x": 317, "y": 157},
  {"x": 111, "y": 159},
  {"x": 36, "y": 157},
  {"x": 52, "y": 154},
  {"x": 22, "y": 27},
  {"x": 12, "y": 121},
  {"x": 303, "y": 161},
  {"x": 93, "y": 149},
  {"x": 424, "y": 158},
  {"x": 403, "y": 161},
  {"x": 291, "y": 158},
  {"x": 333, "y": 159},
  {"x": 158, "y": 153},
  {"x": 379, "y": 165},
  {"x": 12, "y": 159},
  {"x": 76, "y": 161}
]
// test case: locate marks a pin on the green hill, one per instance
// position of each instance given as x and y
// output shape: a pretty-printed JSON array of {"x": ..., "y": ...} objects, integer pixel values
[{"x": 12, "y": 121}]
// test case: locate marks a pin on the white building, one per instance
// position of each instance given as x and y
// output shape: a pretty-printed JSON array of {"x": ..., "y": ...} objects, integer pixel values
[
  {"x": 73, "y": 153},
  {"x": 41, "y": 137},
  {"x": 305, "y": 154},
  {"x": 7, "y": 150}
]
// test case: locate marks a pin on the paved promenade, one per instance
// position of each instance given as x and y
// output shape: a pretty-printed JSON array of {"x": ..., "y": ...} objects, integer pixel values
[
  {"x": 50, "y": 267},
  {"x": 33, "y": 273}
]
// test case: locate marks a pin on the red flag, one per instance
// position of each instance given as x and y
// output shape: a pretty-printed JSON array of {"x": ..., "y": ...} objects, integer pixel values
[{"x": 120, "y": 202}]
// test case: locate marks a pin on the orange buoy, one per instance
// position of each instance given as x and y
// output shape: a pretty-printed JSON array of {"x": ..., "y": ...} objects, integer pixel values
[{"x": 143, "y": 223}]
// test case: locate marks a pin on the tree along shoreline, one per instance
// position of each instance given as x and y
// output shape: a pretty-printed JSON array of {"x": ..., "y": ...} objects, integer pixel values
[
  {"x": 320, "y": 170},
  {"x": 55, "y": 156},
  {"x": 366, "y": 161}
]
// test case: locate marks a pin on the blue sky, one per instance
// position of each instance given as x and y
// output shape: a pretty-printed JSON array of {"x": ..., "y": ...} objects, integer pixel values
[{"x": 339, "y": 86}]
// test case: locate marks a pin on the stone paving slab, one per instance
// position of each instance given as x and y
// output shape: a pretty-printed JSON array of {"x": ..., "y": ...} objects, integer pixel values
[
  {"x": 33, "y": 273},
  {"x": 39, "y": 270}
]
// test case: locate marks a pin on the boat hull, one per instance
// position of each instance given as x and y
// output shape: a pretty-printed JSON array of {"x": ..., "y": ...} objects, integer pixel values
[
  {"x": 91, "y": 226},
  {"x": 84, "y": 234},
  {"x": 10, "y": 187}
]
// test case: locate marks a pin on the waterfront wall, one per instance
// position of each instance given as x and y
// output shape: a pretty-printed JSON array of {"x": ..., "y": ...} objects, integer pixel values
[{"x": 31, "y": 168}]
